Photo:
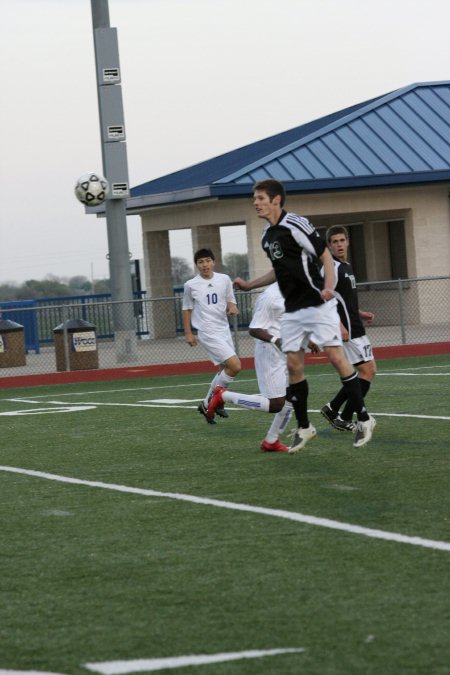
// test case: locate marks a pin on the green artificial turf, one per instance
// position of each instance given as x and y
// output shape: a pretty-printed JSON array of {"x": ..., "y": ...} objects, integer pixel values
[{"x": 91, "y": 574}]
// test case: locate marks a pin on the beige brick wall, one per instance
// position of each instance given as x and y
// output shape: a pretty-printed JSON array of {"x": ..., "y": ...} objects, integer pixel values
[{"x": 425, "y": 210}]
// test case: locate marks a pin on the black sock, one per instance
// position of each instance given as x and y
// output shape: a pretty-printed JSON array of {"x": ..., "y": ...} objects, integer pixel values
[
  {"x": 355, "y": 396},
  {"x": 340, "y": 398},
  {"x": 348, "y": 411},
  {"x": 297, "y": 394}
]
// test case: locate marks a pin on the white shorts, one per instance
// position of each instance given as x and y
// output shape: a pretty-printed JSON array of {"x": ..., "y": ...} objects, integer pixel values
[
  {"x": 271, "y": 370},
  {"x": 319, "y": 324},
  {"x": 359, "y": 350},
  {"x": 219, "y": 347}
]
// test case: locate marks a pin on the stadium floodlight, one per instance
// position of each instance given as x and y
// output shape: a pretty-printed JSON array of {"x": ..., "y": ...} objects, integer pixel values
[{"x": 115, "y": 169}]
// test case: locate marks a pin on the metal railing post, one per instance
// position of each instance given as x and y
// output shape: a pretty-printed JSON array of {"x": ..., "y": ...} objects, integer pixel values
[
  {"x": 401, "y": 311},
  {"x": 235, "y": 331},
  {"x": 66, "y": 337}
]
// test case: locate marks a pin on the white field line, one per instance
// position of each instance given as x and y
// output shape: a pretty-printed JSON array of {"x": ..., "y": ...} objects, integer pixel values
[
  {"x": 26, "y": 672},
  {"x": 253, "y": 379},
  {"x": 152, "y": 665},
  {"x": 118, "y": 391},
  {"x": 170, "y": 403},
  {"x": 415, "y": 374},
  {"x": 234, "y": 506}
]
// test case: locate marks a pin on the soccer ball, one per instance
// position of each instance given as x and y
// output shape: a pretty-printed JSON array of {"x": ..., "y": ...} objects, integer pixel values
[{"x": 91, "y": 189}]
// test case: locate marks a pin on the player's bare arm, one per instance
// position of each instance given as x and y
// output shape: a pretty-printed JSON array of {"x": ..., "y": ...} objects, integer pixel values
[
  {"x": 232, "y": 309},
  {"x": 264, "y": 335},
  {"x": 344, "y": 333},
  {"x": 188, "y": 334},
  {"x": 368, "y": 317},
  {"x": 329, "y": 275},
  {"x": 314, "y": 349},
  {"x": 259, "y": 282}
]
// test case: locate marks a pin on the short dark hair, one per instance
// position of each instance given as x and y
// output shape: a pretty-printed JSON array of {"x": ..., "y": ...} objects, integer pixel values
[
  {"x": 336, "y": 229},
  {"x": 272, "y": 188},
  {"x": 203, "y": 253}
]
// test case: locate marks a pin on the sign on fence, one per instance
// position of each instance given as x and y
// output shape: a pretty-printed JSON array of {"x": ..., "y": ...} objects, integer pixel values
[{"x": 84, "y": 342}]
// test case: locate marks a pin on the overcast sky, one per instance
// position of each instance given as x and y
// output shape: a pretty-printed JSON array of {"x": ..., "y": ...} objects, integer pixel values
[{"x": 199, "y": 78}]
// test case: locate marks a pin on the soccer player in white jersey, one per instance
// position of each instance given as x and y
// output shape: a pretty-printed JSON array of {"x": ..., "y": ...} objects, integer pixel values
[
  {"x": 271, "y": 371},
  {"x": 297, "y": 253},
  {"x": 356, "y": 342},
  {"x": 208, "y": 300}
]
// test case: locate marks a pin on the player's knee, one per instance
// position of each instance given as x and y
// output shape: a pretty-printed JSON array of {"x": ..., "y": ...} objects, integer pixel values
[
  {"x": 276, "y": 404},
  {"x": 339, "y": 360},
  {"x": 295, "y": 368},
  {"x": 368, "y": 370},
  {"x": 233, "y": 367}
]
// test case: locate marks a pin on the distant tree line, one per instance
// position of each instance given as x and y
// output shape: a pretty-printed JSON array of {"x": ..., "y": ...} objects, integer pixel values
[
  {"x": 53, "y": 287},
  {"x": 234, "y": 264}
]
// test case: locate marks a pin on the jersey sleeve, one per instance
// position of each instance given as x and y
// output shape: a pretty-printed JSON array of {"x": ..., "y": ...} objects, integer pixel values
[
  {"x": 259, "y": 318},
  {"x": 306, "y": 235},
  {"x": 188, "y": 301},
  {"x": 230, "y": 292}
]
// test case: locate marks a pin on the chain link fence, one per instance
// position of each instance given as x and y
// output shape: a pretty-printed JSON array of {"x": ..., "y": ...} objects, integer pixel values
[{"x": 99, "y": 333}]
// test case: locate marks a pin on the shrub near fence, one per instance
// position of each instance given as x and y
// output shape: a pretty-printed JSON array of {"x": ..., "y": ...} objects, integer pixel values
[{"x": 408, "y": 311}]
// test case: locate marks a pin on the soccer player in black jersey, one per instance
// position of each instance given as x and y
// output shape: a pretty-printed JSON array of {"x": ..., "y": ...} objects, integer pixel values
[
  {"x": 356, "y": 343},
  {"x": 297, "y": 253}
]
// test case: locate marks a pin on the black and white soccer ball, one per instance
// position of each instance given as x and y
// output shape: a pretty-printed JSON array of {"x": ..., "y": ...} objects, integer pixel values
[{"x": 91, "y": 189}]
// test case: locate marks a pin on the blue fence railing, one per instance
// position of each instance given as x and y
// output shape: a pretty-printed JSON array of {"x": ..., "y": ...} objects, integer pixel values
[{"x": 40, "y": 317}]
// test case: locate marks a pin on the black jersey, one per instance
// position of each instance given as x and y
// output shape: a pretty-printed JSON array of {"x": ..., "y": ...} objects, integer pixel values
[
  {"x": 347, "y": 298},
  {"x": 294, "y": 246}
]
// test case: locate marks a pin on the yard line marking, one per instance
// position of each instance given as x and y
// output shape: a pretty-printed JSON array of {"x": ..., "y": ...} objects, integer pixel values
[
  {"x": 204, "y": 384},
  {"x": 169, "y": 403},
  {"x": 415, "y": 374},
  {"x": 174, "y": 403},
  {"x": 118, "y": 391},
  {"x": 236, "y": 506},
  {"x": 26, "y": 672},
  {"x": 66, "y": 407},
  {"x": 152, "y": 665},
  {"x": 419, "y": 417},
  {"x": 416, "y": 368}
]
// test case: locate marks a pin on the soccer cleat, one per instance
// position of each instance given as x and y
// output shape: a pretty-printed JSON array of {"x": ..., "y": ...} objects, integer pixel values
[
  {"x": 364, "y": 431},
  {"x": 336, "y": 420},
  {"x": 216, "y": 401},
  {"x": 273, "y": 447},
  {"x": 344, "y": 425},
  {"x": 329, "y": 414},
  {"x": 203, "y": 411},
  {"x": 301, "y": 437},
  {"x": 220, "y": 410}
]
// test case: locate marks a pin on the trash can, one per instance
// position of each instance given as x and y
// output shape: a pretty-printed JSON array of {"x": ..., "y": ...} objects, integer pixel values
[
  {"x": 12, "y": 344},
  {"x": 81, "y": 345}
]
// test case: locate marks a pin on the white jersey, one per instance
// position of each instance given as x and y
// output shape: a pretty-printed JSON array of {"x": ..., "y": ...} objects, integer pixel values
[
  {"x": 208, "y": 298},
  {"x": 269, "y": 308},
  {"x": 270, "y": 362}
]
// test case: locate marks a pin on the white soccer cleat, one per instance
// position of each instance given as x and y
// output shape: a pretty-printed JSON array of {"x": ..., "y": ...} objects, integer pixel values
[
  {"x": 301, "y": 437},
  {"x": 364, "y": 431}
]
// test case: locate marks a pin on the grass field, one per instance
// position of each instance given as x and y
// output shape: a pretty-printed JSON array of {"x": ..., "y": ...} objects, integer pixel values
[{"x": 133, "y": 533}]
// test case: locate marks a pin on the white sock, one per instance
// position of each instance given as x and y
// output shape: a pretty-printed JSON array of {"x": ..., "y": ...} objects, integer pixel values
[
  {"x": 221, "y": 379},
  {"x": 249, "y": 401},
  {"x": 279, "y": 423}
]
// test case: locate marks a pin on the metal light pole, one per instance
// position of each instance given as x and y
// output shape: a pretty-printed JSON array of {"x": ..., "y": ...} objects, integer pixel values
[{"x": 115, "y": 169}]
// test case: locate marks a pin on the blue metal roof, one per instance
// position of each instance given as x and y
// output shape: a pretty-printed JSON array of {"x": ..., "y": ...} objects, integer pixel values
[{"x": 399, "y": 138}]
